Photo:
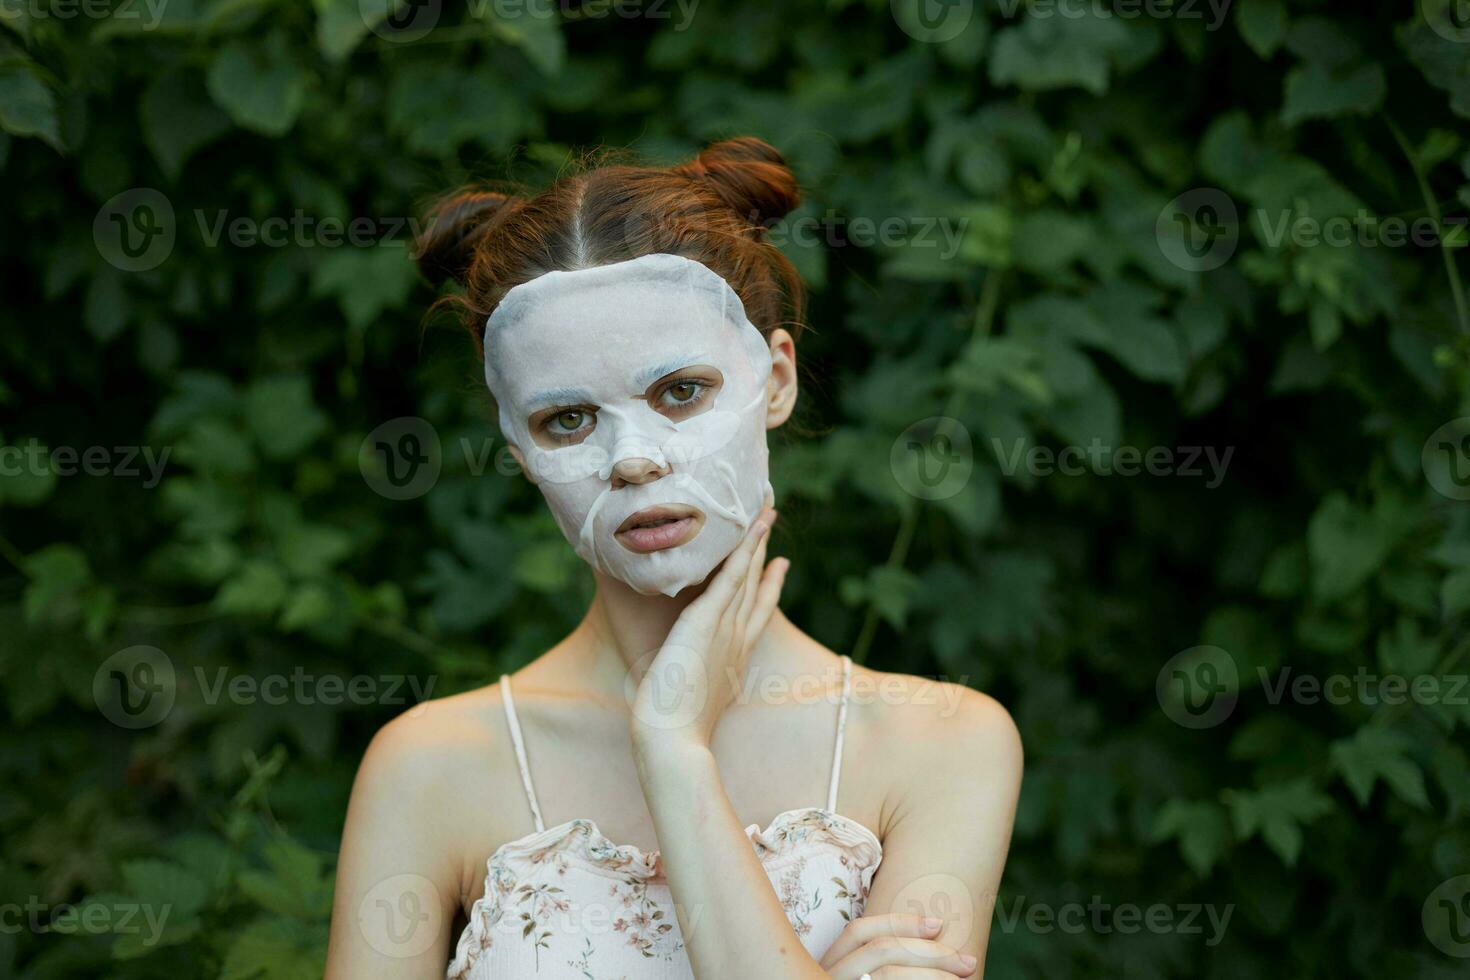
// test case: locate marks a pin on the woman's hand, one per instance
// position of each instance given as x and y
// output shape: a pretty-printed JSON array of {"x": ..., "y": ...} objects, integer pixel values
[
  {"x": 894, "y": 947},
  {"x": 698, "y": 671}
]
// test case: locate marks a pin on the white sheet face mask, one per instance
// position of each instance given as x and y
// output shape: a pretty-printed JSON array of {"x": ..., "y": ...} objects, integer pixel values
[{"x": 651, "y": 359}]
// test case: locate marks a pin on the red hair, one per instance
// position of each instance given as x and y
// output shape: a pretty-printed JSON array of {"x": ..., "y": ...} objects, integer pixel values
[{"x": 714, "y": 209}]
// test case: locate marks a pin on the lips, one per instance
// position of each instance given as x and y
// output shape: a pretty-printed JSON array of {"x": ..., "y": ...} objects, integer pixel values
[{"x": 659, "y": 528}]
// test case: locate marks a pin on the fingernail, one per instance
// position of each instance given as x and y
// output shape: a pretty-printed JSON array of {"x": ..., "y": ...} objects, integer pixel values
[
  {"x": 967, "y": 961},
  {"x": 933, "y": 924}
]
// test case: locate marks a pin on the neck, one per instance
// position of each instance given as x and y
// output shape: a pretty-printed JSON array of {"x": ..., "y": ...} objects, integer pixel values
[{"x": 623, "y": 631}]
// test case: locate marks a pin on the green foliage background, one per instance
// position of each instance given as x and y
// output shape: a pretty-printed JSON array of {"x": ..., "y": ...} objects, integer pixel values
[{"x": 1053, "y": 142}]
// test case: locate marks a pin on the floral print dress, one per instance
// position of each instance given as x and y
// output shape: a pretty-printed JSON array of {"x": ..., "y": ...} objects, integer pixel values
[{"x": 566, "y": 902}]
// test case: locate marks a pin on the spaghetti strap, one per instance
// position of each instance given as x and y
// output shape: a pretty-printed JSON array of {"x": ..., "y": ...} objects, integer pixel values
[
  {"x": 841, "y": 730},
  {"x": 520, "y": 747}
]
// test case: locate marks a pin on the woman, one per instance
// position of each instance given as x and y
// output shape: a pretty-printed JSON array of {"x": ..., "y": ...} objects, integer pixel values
[{"x": 688, "y": 784}]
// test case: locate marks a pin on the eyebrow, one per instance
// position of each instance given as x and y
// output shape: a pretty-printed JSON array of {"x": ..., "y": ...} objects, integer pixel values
[
  {"x": 548, "y": 397},
  {"x": 649, "y": 375},
  {"x": 556, "y": 396}
]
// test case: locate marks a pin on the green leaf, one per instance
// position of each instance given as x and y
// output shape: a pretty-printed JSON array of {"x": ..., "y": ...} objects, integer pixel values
[
  {"x": 1315, "y": 91},
  {"x": 259, "y": 83},
  {"x": 258, "y": 588},
  {"x": 342, "y": 24},
  {"x": 1277, "y": 814},
  {"x": 534, "y": 28},
  {"x": 58, "y": 574},
  {"x": 1346, "y": 545},
  {"x": 1201, "y": 827},
  {"x": 1454, "y": 594},
  {"x": 178, "y": 119},
  {"x": 366, "y": 282},
  {"x": 27, "y": 107},
  {"x": 1043, "y": 53},
  {"x": 1379, "y": 753},
  {"x": 164, "y": 884},
  {"x": 1046, "y": 242},
  {"x": 282, "y": 417},
  {"x": 276, "y": 949},
  {"x": 1262, "y": 23}
]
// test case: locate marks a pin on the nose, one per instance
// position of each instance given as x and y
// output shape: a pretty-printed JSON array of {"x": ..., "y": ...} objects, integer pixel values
[{"x": 637, "y": 469}]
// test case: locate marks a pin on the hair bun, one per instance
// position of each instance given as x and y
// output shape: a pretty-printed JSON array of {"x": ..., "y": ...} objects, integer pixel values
[
  {"x": 750, "y": 176},
  {"x": 446, "y": 246}
]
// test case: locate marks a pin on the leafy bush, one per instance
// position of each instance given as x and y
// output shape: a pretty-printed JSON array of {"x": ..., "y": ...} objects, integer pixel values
[{"x": 1098, "y": 238}]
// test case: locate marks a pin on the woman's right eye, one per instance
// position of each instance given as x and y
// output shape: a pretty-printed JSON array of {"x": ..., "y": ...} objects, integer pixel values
[{"x": 564, "y": 427}]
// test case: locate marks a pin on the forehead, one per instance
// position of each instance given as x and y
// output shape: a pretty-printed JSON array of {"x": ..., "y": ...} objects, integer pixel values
[{"x": 623, "y": 334}]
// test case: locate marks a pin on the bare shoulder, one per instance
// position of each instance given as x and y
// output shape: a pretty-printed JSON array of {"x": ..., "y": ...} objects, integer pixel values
[
  {"x": 435, "y": 772},
  {"x": 928, "y": 735}
]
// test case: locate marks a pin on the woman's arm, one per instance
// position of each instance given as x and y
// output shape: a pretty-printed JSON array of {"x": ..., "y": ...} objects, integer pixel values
[
  {"x": 942, "y": 859},
  {"x": 945, "y": 847},
  {"x": 398, "y": 883},
  {"x": 732, "y": 921}
]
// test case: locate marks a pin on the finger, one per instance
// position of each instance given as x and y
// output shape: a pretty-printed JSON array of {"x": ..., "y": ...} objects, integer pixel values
[
  {"x": 867, "y": 928},
  {"x": 753, "y": 572},
  {"x": 767, "y": 597},
  {"x": 893, "y": 951},
  {"x": 910, "y": 973},
  {"x": 726, "y": 583}
]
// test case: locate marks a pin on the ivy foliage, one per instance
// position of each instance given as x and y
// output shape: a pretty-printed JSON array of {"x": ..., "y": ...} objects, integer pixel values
[{"x": 1196, "y": 505}]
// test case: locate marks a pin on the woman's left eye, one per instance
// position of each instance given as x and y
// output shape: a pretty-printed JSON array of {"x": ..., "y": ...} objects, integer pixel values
[{"x": 684, "y": 391}]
